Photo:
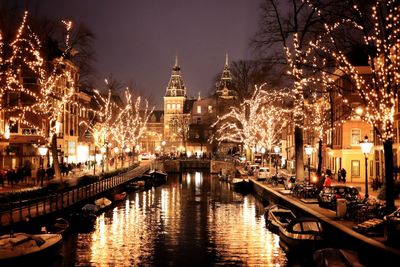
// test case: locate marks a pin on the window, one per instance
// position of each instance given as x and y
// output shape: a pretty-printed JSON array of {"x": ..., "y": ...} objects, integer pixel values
[
  {"x": 210, "y": 109},
  {"x": 355, "y": 168},
  {"x": 198, "y": 109},
  {"x": 178, "y": 106},
  {"x": 168, "y": 106},
  {"x": 355, "y": 136},
  {"x": 173, "y": 106},
  {"x": 71, "y": 147}
]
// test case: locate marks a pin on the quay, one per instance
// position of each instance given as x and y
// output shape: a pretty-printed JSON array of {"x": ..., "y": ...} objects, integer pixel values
[
  {"x": 339, "y": 231},
  {"x": 13, "y": 214}
]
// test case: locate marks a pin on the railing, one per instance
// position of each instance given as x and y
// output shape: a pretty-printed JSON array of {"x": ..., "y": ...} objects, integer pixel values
[{"x": 19, "y": 211}]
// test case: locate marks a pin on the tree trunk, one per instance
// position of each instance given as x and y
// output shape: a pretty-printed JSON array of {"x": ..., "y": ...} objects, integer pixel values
[
  {"x": 54, "y": 154},
  {"x": 298, "y": 141},
  {"x": 389, "y": 181},
  {"x": 319, "y": 157}
]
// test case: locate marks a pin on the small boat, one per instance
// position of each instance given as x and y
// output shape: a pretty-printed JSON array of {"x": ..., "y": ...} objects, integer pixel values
[
  {"x": 158, "y": 177},
  {"x": 59, "y": 226},
  {"x": 241, "y": 185},
  {"x": 145, "y": 181},
  {"x": 132, "y": 186},
  {"x": 84, "y": 219},
  {"x": 20, "y": 246},
  {"x": 120, "y": 196},
  {"x": 103, "y": 202},
  {"x": 301, "y": 235},
  {"x": 277, "y": 216},
  {"x": 336, "y": 257}
]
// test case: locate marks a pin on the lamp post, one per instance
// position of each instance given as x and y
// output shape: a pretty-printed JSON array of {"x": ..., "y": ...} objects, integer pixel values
[
  {"x": 42, "y": 152},
  {"x": 366, "y": 147},
  {"x": 103, "y": 150},
  {"x": 309, "y": 150},
  {"x": 262, "y": 156},
  {"x": 276, "y": 150}
]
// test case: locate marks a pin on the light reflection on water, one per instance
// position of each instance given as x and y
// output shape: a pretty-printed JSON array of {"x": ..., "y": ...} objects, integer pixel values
[{"x": 196, "y": 222}]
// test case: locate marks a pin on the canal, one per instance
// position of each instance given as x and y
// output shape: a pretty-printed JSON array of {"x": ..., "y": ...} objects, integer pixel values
[{"x": 193, "y": 221}]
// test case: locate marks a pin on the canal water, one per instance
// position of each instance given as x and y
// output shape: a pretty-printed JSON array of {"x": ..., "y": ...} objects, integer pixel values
[{"x": 195, "y": 220}]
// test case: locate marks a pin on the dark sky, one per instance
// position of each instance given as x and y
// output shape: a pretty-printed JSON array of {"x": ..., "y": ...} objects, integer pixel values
[{"x": 137, "y": 39}]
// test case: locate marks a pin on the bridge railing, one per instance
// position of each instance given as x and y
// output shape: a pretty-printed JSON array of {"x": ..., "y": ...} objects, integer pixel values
[{"x": 23, "y": 209}]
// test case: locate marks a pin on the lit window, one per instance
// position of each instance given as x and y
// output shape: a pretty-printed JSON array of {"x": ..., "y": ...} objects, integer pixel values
[
  {"x": 355, "y": 136},
  {"x": 178, "y": 106},
  {"x": 198, "y": 109},
  {"x": 355, "y": 168},
  {"x": 210, "y": 109},
  {"x": 168, "y": 106},
  {"x": 173, "y": 106}
]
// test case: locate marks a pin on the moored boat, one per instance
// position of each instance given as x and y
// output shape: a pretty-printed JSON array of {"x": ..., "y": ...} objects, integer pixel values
[
  {"x": 158, "y": 177},
  {"x": 84, "y": 219},
  {"x": 336, "y": 257},
  {"x": 59, "y": 226},
  {"x": 241, "y": 185},
  {"x": 119, "y": 196},
  {"x": 103, "y": 202},
  {"x": 301, "y": 235},
  {"x": 20, "y": 246},
  {"x": 277, "y": 216}
]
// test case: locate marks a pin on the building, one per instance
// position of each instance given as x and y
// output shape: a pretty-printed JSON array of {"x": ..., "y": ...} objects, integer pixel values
[{"x": 343, "y": 141}]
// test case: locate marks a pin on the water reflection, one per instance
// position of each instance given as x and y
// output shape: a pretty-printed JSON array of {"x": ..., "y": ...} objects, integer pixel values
[{"x": 199, "y": 221}]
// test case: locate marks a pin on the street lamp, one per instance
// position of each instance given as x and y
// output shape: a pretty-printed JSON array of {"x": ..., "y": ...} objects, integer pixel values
[
  {"x": 309, "y": 150},
  {"x": 42, "y": 152},
  {"x": 262, "y": 156},
  {"x": 366, "y": 149},
  {"x": 276, "y": 150},
  {"x": 103, "y": 150}
]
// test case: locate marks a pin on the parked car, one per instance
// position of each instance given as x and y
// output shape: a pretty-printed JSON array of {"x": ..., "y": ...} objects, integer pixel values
[
  {"x": 328, "y": 195},
  {"x": 263, "y": 174},
  {"x": 145, "y": 156}
]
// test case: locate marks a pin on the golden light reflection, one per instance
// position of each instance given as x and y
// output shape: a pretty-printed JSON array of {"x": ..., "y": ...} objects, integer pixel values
[{"x": 170, "y": 220}]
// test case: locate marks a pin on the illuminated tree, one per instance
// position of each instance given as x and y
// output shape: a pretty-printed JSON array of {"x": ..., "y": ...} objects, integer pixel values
[
  {"x": 378, "y": 91},
  {"x": 54, "y": 90},
  {"x": 257, "y": 123},
  {"x": 180, "y": 126}
]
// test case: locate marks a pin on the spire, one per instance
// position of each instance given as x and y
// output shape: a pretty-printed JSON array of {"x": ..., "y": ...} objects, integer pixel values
[
  {"x": 224, "y": 86},
  {"x": 176, "y": 60},
  {"x": 176, "y": 86}
]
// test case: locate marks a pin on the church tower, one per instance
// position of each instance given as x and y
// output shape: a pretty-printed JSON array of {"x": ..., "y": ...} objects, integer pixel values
[
  {"x": 174, "y": 101},
  {"x": 224, "y": 86}
]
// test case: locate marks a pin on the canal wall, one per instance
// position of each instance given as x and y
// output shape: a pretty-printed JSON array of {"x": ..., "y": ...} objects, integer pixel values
[
  {"x": 371, "y": 250},
  {"x": 62, "y": 202}
]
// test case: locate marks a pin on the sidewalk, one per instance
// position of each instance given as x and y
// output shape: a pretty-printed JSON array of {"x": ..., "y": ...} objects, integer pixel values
[{"x": 71, "y": 179}]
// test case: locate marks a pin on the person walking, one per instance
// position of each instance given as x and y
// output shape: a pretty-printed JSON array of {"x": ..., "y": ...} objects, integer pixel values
[
  {"x": 343, "y": 175},
  {"x": 339, "y": 175},
  {"x": 328, "y": 179}
]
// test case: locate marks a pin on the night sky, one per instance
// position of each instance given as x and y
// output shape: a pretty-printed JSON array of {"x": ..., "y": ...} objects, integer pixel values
[{"x": 137, "y": 40}]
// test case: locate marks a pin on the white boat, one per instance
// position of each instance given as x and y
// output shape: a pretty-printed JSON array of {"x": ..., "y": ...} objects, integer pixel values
[
  {"x": 277, "y": 216},
  {"x": 19, "y": 246},
  {"x": 103, "y": 202},
  {"x": 301, "y": 235}
]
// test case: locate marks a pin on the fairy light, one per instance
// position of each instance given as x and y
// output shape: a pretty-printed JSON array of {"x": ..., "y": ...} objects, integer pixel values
[
  {"x": 379, "y": 91},
  {"x": 51, "y": 97},
  {"x": 258, "y": 122}
]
